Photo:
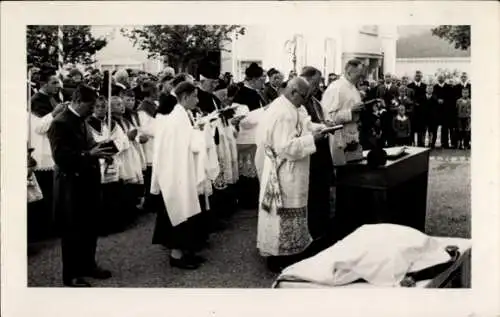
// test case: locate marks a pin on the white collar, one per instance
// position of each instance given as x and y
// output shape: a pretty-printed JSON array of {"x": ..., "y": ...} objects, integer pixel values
[
  {"x": 441, "y": 85},
  {"x": 74, "y": 111},
  {"x": 248, "y": 86},
  {"x": 120, "y": 85},
  {"x": 417, "y": 83}
]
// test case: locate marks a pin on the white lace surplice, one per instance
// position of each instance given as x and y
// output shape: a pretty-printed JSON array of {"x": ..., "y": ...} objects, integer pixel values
[
  {"x": 132, "y": 164},
  {"x": 40, "y": 142}
]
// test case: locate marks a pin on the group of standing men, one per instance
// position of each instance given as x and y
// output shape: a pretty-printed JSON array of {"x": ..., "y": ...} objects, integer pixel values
[{"x": 427, "y": 106}]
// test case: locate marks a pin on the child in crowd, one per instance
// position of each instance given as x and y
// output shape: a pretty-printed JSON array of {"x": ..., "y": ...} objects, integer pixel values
[
  {"x": 406, "y": 101},
  {"x": 110, "y": 186},
  {"x": 464, "y": 116},
  {"x": 402, "y": 127},
  {"x": 370, "y": 126},
  {"x": 132, "y": 125},
  {"x": 130, "y": 170}
]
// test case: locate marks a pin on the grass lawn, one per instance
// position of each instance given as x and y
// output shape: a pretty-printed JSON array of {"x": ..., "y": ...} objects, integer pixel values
[
  {"x": 449, "y": 202},
  {"x": 233, "y": 260}
]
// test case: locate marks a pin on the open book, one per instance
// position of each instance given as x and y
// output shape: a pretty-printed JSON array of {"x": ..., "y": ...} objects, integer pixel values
[
  {"x": 332, "y": 129},
  {"x": 395, "y": 152}
]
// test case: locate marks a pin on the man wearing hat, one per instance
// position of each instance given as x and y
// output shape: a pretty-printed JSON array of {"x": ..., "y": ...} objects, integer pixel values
[
  {"x": 207, "y": 103},
  {"x": 249, "y": 95},
  {"x": 209, "y": 79}
]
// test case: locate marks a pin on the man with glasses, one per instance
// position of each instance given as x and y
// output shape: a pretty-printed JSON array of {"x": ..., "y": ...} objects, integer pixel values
[
  {"x": 342, "y": 105},
  {"x": 287, "y": 138}
]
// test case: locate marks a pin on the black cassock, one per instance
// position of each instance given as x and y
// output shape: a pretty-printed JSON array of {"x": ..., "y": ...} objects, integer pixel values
[
  {"x": 222, "y": 201},
  {"x": 76, "y": 192},
  {"x": 270, "y": 93},
  {"x": 249, "y": 97},
  {"x": 448, "y": 114},
  {"x": 320, "y": 180},
  {"x": 248, "y": 187}
]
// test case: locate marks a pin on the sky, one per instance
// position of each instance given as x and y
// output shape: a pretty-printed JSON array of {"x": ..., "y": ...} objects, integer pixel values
[{"x": 408, "y": 30}]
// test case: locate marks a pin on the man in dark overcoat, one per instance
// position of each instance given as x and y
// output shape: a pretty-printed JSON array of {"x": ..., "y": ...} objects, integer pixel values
[{"x": 77, "y": 187}]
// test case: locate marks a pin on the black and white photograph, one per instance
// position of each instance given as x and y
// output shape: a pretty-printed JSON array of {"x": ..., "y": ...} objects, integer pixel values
[
  {"x": 247, "y": 156},
  {"x": 262, "y": 156}
]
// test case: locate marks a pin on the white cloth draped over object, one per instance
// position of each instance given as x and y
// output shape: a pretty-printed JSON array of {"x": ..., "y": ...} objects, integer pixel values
[
  {"x": 285, "y": 129},
  {"x": 42, "y": 152},
  {"x": 380, "y": 254},
  {"x": 174, "y": 169},
  {"x": 337, "y": 102}
]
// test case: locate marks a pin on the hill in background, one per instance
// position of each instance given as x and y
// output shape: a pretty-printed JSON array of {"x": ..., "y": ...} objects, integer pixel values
[{"x": 418, "y": 41}]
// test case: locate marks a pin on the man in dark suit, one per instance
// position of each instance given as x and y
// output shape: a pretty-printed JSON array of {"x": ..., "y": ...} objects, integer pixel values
[
  {"x": 249, "y": 93},
  {"x": 209, "y": 80},
  {"x": 432, "y": 110},
  {"x": 77, "y": 187},
  {"x": 272, "y": 87},
  {"x": 222, "y": 201},
  {"x": 388, "y": 92},
  {"x": 419, "y": 124},
  {"x": 448, "y": 117},
  {"x": 321, "y": 166},
  {"x": 461, "y": 85},
  {"x": 410, "y": 93}
]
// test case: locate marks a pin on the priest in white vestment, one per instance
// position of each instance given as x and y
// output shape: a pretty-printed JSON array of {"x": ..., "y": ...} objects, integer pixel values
[
  {"x": 287, "y": 137},
  {"x": 174, "y": 177},
  {"x": 341, "y": 104}
]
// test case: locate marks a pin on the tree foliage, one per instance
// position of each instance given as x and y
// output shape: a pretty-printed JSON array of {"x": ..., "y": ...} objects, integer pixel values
[
  {"x": 79, "y": 45},
  {"x": 182, "y": 44},
  {"x": 459, "y": 35}
]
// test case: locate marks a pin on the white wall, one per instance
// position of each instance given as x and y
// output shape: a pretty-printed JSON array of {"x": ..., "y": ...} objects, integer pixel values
[
  {"x": 267, "y": 44},
  {"x": 429, "y": 66}
]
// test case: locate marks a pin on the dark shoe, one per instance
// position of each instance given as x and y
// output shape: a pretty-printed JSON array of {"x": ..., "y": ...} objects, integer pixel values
[
  {"x": 201, "y": 246},
  {"x": 197, "y": 258},
  {"x": 99, "y": 274},
  {"x": 275, "y": 265},
  {"x": 218, "y": 226},
  {"x": 184, "y": 263},
  {"x": 77, "y": 282}
]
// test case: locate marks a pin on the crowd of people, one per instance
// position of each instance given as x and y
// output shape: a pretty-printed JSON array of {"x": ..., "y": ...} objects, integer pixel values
[
  {"x": 106, "y": 147},
  {"x": 411, "y": 112}
]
